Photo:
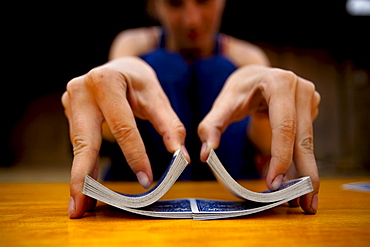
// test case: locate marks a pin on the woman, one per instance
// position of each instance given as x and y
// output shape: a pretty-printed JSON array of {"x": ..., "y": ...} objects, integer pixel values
[
  {"x": 192, "y": 62},
  {"x": 174, "y": 77}
]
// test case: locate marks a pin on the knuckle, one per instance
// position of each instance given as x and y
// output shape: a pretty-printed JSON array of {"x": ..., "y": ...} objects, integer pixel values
[
  {"x": 287, "y": 129},
  {"x": 65, "y": 100},
  {"x": 308, "y": 87},
  {"x": 210, "y": 133},
  {"x": 101, "y": 77},
  {"x": 75, "y": 86},
  {"x": 317, "y": 98},
  {"x": 284, "y": 76},
  {"x": 286, "y": 133},
  {"x": 306, "y": 144},
  {"x": 209, "y": 124},
  {"x": 123, "y": 132},
  {"x": 96, "y": 77},
  {"x": 80, "y": 144},
  {"x": 178, "y": 129},
  {"x": 128, "y": 137},
  {"x": 202, "y": 128},
  {"x": 311, "y": 87},
  {"x": 206, "y": 130},
  {"x": 65, "y": 103},
  {"x": 174, "y": 136}
]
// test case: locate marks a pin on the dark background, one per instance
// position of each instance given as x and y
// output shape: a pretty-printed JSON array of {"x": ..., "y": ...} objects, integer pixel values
[{"x": 46, "y": 45}]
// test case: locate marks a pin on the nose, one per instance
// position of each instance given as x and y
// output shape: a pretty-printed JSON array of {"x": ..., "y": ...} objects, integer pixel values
[{"x": 192, "y": 16}]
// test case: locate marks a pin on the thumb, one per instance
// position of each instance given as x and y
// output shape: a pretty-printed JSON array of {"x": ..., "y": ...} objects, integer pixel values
[
  {"x": 174, "y": 139},
  {"x": 169, "y": 126},
  {"x": 210, "y": 135}
]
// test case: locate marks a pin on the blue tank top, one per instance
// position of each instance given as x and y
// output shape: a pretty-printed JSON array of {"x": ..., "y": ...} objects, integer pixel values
[{"x": 192, "y": 87}]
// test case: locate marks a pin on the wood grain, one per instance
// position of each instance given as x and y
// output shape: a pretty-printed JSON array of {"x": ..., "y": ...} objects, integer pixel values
[{"x": 35, "y": 214}]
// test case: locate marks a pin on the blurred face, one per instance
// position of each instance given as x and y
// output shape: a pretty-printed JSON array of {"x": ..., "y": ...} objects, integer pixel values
[{"x": 191, "y": 24}]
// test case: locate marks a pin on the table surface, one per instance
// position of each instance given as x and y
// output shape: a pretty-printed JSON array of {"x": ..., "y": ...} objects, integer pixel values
[{"x": 35, "y": 214}]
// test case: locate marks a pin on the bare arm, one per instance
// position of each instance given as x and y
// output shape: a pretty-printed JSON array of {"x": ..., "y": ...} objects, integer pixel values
[{"x": 134, "y": 42}]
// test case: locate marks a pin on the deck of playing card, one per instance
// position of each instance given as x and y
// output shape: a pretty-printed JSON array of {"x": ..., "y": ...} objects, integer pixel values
[
  {"x": 200, "y": 209},
  {"x": 359, "y": 186}
]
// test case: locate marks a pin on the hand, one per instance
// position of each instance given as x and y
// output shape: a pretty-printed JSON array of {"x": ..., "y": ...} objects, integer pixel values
[
  {"x": 290, "y": 104},
  {"x": 114, "y": 93}
]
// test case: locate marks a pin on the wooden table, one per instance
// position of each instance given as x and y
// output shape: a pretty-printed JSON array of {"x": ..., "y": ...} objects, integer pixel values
[{"x": 35, "y": 214}]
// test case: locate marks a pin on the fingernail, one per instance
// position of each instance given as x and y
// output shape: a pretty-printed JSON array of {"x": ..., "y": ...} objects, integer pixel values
[
  {"x": 71, "y": 206},
  {"x": 277, "y": 182},
  {"x": 315, "y": 203},
  {"x": 143, "y": 179}
]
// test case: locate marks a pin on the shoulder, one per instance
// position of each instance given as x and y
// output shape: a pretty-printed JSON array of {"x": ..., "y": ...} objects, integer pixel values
[
  {"x": 243, "y": 53},
  {"x": 134, "y": 42}
]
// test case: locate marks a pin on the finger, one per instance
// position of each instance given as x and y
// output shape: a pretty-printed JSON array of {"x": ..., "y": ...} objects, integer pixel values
[
  {"x": 232, "y": 104},
  {"x": 211, "y": 129},
  {"x": 280, "y": 97},
  {"x": 167, "y": 124},
  {"x": 210, "y": 136},
  {"x": 66, "y": 104},
  {"x": 304, "y": 158},
  {"x": 86, "y": 140},
  {"x": 109, "y": 88},
  {"x": 148, "y": 101}
]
